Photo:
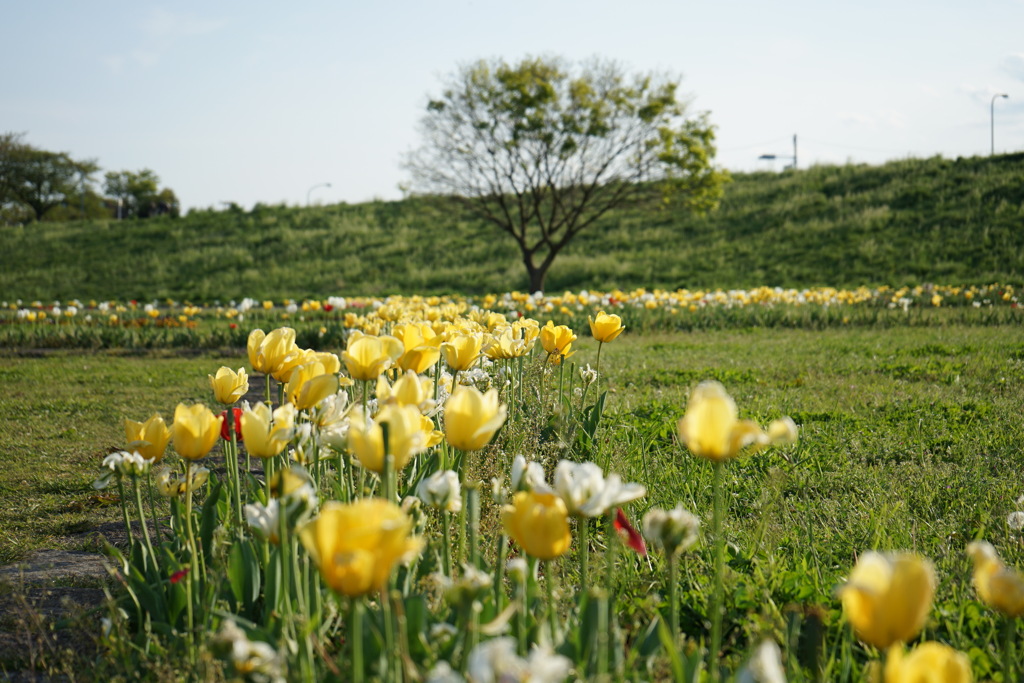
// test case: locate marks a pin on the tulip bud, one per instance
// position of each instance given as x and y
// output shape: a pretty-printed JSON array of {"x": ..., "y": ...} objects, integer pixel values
[{"x": 441, "y": 490}]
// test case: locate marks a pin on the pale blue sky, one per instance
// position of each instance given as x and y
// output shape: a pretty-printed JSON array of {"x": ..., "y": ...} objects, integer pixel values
[{"x": 261, "y": 101}]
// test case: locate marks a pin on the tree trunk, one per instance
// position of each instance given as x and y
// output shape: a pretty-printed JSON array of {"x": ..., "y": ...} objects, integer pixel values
[{"x": 537, "y": 274}]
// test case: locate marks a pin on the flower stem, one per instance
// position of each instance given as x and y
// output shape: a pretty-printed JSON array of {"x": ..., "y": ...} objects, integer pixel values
[
  {"x": 499, "y": 581},
  {"x": 673, "y": 596},
  {"x": 473, "y": 506},
  {"x": 152, "y": 504},
  {"x": 1009, "y": 632},
  {"x": 446, "y": 530},
  {"x": 190, "y": 577},
  {"x": 583, "y": 552},
  {"x": 124, "y": 511},
  {"x": 356, "y": 608},
  {"x": 233, "y": 475},
  {"x": 145, "y": 527},
  {"x": 717, "y": 596},
  {"x": 549, "y": 589}
]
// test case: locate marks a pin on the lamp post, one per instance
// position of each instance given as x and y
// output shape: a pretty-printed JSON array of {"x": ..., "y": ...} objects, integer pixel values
[
  {"x": 313, "y": 188},
  {"x": 992, "y": 114},
  {"x": 783, "y": 156}
]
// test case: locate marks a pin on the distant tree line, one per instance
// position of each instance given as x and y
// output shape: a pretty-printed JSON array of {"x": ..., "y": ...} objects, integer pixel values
[{"x": 40, "y": 185}]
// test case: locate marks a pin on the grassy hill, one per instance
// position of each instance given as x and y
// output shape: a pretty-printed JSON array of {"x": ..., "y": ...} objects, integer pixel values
[{"x": 903, "y": 223}]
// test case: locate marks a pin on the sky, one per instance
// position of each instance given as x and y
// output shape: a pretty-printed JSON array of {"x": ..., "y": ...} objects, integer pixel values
[{"x": 254, "y": 101}]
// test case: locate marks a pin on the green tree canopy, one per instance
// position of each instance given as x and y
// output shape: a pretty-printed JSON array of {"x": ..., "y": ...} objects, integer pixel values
[
  {"x": 139, "y": 195},
  {"x": 38, "y": 179},
  {"x": 542, "y": 149}
]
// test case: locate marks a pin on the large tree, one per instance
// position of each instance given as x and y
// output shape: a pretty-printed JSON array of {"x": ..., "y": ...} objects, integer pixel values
[
  {"x": 38, "y": 179},
  {"x": 138, "y": 194},
  {"x": 543, "y": 149}
]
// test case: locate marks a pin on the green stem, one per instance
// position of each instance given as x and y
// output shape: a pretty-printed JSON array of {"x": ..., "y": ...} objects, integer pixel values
[
  {"x": 673, "y": 595},
  {"x": 233, "y": 475},
  {"x": 268, "y": 474},
  {"x": 145, "y": 527},
  {"x": 358, "y": 671},
  {"x": 284, "y": 561},
  {"x": 597, "y": 382},
  {"x": 561, "y": 376},
  {"x": 124, "y": 512},
  {"x": 549, "y": 588},
  {"x": 499, "y": 580},
  {"x": 473, "y": 507},
  {"x": 718, "y": 595},
  {"x": 190, "y": 577},
  {"x": 1009, "y": 658},
  {"x": 391, "y": 658},
  {"x": 445, "y": 529},
  {"x": 583, "y": 552},
  {"x": 152, "y": 504}
]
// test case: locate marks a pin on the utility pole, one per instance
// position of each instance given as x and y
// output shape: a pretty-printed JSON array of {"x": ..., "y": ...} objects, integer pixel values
[{"x": 992, "y": 114}]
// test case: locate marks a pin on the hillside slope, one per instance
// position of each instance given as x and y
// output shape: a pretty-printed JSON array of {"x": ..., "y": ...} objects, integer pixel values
[{"x": 906, "y": 222}]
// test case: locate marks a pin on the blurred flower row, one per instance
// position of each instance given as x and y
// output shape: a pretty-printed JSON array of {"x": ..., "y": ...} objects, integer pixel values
[{"x": 354, "y": 311}]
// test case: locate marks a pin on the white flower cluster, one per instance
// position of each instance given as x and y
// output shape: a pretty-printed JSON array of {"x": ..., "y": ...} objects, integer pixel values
[
  {"x": 1015, "y": 520},
  {"x": 119, "y": 464},
  {"x": 252, "y": 660},
  {"x": 441, "y": 490},
  {"x": 496, "y": 660}
]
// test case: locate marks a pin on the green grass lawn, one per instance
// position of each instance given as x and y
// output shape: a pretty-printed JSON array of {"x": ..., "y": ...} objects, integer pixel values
[{"x": 910, "y": 438}]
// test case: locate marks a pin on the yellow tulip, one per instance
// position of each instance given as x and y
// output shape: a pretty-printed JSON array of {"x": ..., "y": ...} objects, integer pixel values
[
  {"x": 709, "y": 429},
  {"x": 408, "y": 390},
  {"x": 471, "y": 418},
  {"x": 149, "y": 439},
  {"x": 887, "y": 597},
  {"x": 417, "y": 334},
  {"x": 431, "y": 436},
  {"x": 195, "y": 430},
  {"x": 331, "y": 362},
  {"x": 507, "y": 343},
  {"x": 530, "y": 330},
  {"x": 405, "y": 436},
  {"x": 252, "y": 347},
  {"x": 539, "y": 523},
  {"x": 419, "y": 359},
  {"x": 927, "y": 663},
  {"x": 283, "y": 372},
  {"x": 264, "y": 434},
  {"x": 605, "y": 327},
  {"x": 557, "y": 341},
  {"x": 170, "y": 484},
  {"x": 275, "y": 350},
  {"x": 229, "y": 386},
  {"x": 357, "y": 545},
  {"x": 999, "y": 586},
  {"x": 293, "y": 482},
  {"x": 462, "y": 351},
  {"x": 368, "y": 356},
  {"x": 309, "y": 384}
]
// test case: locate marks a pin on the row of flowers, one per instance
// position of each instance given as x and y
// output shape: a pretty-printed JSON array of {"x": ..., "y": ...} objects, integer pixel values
[
  {"x": 518, "y": 303},
  {"x": 364, "y": 480}
]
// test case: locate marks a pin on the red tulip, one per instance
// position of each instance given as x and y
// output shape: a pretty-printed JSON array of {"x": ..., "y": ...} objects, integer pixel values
[
  {"x": 628, "y": 534},
  {"x": 236, "y": 419}
]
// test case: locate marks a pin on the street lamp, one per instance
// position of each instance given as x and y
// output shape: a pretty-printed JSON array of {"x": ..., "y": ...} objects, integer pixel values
[
  {"x": 313, "y": 188},
  {"x": 782, "y": 156},
  {"x": 992, "y": 113}
]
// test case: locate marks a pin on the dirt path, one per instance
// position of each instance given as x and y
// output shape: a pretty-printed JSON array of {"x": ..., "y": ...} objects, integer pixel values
[{"x": 51, "y": 602}]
